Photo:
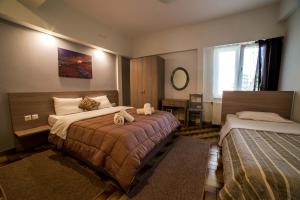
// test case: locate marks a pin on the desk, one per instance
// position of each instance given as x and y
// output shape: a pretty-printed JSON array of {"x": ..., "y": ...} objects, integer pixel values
[{"x": 177, "y": 103}]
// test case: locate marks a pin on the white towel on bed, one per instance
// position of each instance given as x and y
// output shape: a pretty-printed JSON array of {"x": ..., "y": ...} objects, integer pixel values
[
  {"x": 119, "y": 119},
  {"x": 147, "y": 109},
  {"x": 128, "y": 117},
  {"x": 141, "y": 111}
]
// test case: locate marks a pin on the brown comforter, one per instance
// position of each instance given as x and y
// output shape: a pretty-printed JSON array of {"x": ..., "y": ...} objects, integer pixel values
[
  {"x": 261, "y": 165},
  {"x": 117, "y": 149}
]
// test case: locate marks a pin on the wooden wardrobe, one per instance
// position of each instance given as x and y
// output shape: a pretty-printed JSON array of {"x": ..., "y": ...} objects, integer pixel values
[{"x": 147, "y": 83}]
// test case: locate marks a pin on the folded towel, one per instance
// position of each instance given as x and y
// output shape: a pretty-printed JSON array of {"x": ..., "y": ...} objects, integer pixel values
[
  {"x": 147, "y": 109},
  {"x": 119, "y": 119},
  {"x": 152, "y": 110},
  {"x": 141, "y": 111},
  {"x": 128, "y": 117}
]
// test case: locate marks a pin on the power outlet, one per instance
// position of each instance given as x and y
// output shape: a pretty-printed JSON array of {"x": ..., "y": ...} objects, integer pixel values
[
  {"x": 27, "y": 118},
  {"x": 35, "y": 116}
]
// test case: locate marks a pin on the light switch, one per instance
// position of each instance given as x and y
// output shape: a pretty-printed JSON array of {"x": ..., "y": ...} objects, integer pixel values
[
  {"x": 34, "y": 116},
  {"x": 27, "y": 118}
]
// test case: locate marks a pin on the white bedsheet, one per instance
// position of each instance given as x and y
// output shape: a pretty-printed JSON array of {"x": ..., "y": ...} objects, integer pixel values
[
  {"x": 232, "y": 121},
  {"x": 53, "y": 118},
  {"x": 62, "y": 123}
]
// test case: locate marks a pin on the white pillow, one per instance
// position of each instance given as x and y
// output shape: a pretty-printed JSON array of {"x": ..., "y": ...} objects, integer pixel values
[
  {"x": 103, "y": 100},
  {"x": 262, "y": 116},
  {"x": 65, "y": 106}
]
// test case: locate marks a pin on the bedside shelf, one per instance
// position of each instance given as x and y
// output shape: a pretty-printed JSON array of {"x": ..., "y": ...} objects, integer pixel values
[{"x": 32, "y": 131}]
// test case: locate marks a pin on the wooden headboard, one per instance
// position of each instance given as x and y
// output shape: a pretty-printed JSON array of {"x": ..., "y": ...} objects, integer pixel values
[
  {"x": 280, "y": 102},
  {"x": 41, "y": 103}
]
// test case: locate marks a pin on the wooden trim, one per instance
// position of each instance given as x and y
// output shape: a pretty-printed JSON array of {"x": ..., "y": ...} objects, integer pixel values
[
  {"x": 279, "y": 102},
  {"x": 41, "y": 103}
]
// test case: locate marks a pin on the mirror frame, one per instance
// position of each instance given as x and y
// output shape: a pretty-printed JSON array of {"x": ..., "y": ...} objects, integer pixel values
[{"x": 187, "y": 78}]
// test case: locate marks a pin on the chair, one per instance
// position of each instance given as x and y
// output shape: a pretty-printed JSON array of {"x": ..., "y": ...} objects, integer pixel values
[{"x": 195, "y": 107}]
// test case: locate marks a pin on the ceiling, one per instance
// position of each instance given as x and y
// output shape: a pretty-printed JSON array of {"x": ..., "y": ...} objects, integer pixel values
[{"x": 136, "y": 17}]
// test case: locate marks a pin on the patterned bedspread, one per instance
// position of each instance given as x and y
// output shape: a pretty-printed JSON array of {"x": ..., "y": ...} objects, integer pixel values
[{"x": 261, "y": 165}]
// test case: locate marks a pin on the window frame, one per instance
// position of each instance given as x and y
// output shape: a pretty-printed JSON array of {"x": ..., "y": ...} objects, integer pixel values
[{"x": 239, "y": 53}]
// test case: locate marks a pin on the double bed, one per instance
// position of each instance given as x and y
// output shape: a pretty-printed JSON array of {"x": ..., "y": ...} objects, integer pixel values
[
  {"x": 261, "y": 160},
  {"x": 119, "y": 151}
]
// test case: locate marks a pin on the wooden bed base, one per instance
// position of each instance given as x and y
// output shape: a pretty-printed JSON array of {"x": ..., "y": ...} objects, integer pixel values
[
  {"x": 145, "y": 170},
  {"x": 150, "y": 162}
]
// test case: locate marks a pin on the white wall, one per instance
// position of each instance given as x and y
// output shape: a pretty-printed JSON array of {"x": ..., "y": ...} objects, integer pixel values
[
  {"x": 287, "y": 8},
  {"x": 29, "y": 63},
  {"x": 290, "y": 70},
  {"x": 187, "y": 60},
  {"x": 58, "y": 17},
  {"x": 252, "y": 25}
]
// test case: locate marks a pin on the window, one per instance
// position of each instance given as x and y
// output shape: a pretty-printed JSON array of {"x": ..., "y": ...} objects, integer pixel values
[{"x": 234, "y": 68}]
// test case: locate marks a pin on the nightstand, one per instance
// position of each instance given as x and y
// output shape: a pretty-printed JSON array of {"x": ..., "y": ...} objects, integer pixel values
[{"x": 30, "y": 138}]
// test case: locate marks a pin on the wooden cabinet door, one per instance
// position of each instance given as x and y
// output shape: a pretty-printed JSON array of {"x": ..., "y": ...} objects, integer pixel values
[
  {"x": 150, "y": 81},
  {"x": 146, "y": 80},
  {"x": 136, "y": 87}
]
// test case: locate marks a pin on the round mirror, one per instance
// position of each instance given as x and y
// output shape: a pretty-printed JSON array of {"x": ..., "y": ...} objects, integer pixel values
[{"x": 180, "y": 78}]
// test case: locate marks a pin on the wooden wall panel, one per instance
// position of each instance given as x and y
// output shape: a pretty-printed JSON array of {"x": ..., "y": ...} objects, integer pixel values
[
  {"x": 280, "y": 102},
  {"x": 41, "y": 103}
]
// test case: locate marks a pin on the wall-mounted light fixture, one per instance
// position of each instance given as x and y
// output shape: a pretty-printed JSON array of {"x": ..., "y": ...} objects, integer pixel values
[
  {"x": 48, "y": 39},
  {"x": 99, "y": 53}
]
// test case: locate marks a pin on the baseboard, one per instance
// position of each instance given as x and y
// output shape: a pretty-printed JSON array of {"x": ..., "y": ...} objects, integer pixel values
[{"x": 7, "y": 151}]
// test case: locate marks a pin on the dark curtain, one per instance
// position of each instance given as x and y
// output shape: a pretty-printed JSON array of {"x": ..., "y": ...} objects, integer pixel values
[{"x": 268, "y": 64}]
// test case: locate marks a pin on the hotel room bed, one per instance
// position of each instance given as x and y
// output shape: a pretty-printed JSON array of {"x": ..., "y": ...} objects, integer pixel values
[
  {"x": 261, "y": 160},
  {"x": 118, "y": 150}
]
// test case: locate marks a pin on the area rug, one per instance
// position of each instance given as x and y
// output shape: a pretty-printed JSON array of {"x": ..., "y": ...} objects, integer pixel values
[
  {"x": 49, "y": 175},
  {"x": 181, "y": 174}
]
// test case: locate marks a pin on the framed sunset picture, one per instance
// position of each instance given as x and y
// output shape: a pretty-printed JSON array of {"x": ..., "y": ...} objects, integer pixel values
[{"x": 74, "y": 65}]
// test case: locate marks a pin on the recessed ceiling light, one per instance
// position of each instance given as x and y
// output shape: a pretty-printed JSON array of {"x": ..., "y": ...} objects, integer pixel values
[{"x": 166, "y": 1}]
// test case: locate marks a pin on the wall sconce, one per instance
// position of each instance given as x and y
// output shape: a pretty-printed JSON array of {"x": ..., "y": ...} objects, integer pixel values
[
  {"x": 47, "y": 39},
  {"x": 99, "y": 53}
]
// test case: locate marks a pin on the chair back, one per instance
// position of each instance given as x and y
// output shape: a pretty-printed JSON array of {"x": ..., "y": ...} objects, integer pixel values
[{"x": 196, "y": 101}]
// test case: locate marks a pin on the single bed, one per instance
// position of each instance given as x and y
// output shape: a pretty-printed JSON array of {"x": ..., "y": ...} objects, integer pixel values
[{"x": 261, "y": 160}]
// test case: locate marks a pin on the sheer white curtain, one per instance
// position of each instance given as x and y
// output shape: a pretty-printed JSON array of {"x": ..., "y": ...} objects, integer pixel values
[
  {"x": 208, "y": 55},
  {"x": 225, "y": 69},
  {"x": 230, "y": 67}
]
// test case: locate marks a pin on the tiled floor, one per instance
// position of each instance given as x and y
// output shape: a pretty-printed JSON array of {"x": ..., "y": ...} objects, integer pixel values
[{"x": 214, "y": 181}]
